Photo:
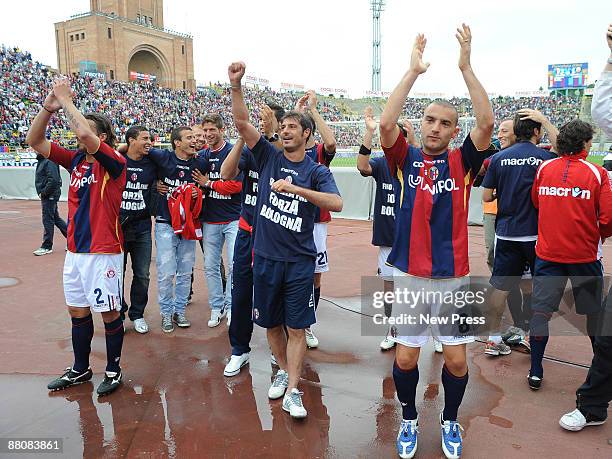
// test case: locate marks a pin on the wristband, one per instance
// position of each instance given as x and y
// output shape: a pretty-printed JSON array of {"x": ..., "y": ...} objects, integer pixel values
[
  {"x": 365, "y": 151},
  {"x": 46, "y": 109}
]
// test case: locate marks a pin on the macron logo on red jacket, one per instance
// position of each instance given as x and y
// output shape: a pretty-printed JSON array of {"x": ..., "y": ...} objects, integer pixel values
[
  {"x": 185, "y": 212},
  {"x": 574, "y": 202}
]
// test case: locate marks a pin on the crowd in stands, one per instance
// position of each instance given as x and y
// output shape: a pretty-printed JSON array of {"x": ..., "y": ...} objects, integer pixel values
[{"x": 24, "y": 83}]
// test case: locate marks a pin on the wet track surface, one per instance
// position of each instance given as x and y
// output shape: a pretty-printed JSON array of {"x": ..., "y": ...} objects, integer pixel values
[{"x": 175, "y": 401}]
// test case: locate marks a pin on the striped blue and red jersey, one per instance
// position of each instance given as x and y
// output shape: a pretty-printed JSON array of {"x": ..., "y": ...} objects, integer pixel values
[
  {"x": 94, "y": 198},
  {"x": 431, "y": 237}
]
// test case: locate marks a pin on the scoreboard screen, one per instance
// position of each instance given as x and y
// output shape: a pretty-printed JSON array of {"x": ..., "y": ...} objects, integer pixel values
[{"x": 561, "y": 76}]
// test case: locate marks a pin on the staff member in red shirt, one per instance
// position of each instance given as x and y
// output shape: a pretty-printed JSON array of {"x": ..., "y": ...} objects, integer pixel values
[{"x": 574, "y": 203}]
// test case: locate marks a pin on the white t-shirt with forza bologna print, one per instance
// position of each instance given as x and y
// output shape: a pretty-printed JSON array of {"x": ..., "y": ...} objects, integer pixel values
[{"x": 284, "y": 221}]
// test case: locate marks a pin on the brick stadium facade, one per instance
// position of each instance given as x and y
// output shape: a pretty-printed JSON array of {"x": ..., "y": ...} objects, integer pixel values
[{"x": 125, "y": 40}]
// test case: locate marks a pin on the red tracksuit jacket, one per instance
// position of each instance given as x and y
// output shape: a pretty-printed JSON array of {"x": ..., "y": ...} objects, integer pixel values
[
  {"x": 185, "y": 212},
  {"x": 574, "y": 202}
]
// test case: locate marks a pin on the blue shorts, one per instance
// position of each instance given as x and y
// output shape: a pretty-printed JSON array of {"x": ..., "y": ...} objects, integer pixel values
[
  {"x": 511, "y": 259},
  {"x": 550, "y": 279},
  {"x": 283, "y": 293}
]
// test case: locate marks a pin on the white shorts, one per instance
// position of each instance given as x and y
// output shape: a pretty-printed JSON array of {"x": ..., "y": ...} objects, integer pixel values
[
  {"x": 93, "y": 280},
  {"x": 413, "y": 283},
  {"x": 320, "y": 240},
  {"x": 384, "y": 270}
]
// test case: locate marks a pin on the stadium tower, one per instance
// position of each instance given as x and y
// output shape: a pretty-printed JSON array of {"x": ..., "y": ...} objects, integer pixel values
[
  {"x": 377, "y": 6},
  {"x": 125, "y": 40}
]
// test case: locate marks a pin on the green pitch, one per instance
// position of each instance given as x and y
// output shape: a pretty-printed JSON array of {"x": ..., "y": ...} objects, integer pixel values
[{"x": 351, "y": 161}]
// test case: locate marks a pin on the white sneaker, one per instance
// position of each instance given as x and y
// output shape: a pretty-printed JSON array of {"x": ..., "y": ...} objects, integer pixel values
[
  {"x": 311, "y": 340},
  {"x": 576, "y": 421},
  {"x": 387, "y": 344},
  {"x": 235, "y": 363},
  {"x": 215, "y": 317},
  {"x": 279, "y": 385},
  {"x": 40, "y": 251},
  {"x": 140, "y": 325},
  {"x": 273, "y": 359},
  {"x": 438, "y": 346},
  {"x": 292, "y": 404}
]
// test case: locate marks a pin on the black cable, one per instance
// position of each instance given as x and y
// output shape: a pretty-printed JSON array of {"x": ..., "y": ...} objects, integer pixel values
[{"x": 551, "y": 359}]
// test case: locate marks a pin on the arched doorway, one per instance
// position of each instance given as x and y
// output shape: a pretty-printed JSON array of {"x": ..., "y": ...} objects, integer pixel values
[{"x": 147, "y": 62}]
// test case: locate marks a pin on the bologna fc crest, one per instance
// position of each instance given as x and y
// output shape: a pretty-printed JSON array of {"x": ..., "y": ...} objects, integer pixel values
[
  {"x": 134, "y": 177},
  {"x": 255, "y": 313},
  {"x": 433, "y": 173},
  {"x": 181, "y": 174},
  {"x": 289, "y": 179},
  {"x": 110, "y": 273},
  {"x": 212, "y": 167}
]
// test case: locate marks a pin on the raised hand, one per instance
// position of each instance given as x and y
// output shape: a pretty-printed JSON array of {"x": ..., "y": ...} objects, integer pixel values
[
  {"x": 300, "y": 106},
  {"x": 416, "y": 59},
  {"x": 269, "y": 123},
  {"x": 61, "y": 89},
  {"x": 408, "y": 126},
  {"x": 235, "y": 72},
  {"x": 51, "y": 103},
  {"x": 312, "y": 99},
  {"x": 370, "y": 122},
  {"x": 464, "y": 37},
  {"x": 533, "y": 115}
]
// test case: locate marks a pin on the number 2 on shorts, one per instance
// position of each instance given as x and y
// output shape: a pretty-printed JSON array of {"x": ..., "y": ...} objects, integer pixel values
[{"x": 98, "y": 292}]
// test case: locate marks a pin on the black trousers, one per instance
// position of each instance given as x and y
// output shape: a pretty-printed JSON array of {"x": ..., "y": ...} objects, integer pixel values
[
  {"x": 594, "y": 396},
  {"x": 138, "y": 245},
  {"x": 51, "y": 219}
]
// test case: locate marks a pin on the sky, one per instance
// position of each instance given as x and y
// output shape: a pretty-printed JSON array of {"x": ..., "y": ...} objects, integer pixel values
[{"x": 330, "y": 43}]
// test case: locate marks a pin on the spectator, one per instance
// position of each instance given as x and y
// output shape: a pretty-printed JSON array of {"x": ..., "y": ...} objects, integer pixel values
[{"x": 49, "y": 188}]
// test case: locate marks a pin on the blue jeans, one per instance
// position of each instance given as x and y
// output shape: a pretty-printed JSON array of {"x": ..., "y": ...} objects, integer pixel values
[
  {"x": 137, "y": 244},
  {"x": 175, "y": 258},
  {"x": 214, "y": 236}
]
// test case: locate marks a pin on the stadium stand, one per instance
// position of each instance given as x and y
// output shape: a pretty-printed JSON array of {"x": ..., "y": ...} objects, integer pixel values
[{"x": 24, "y": 83}]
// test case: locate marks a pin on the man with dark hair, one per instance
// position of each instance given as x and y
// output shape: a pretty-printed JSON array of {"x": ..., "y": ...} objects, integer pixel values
[
  {"x": 321, "y": 153},
  {"x": 430, "y": 247},
  {"x": 135, "y": 215},
  {"x": 48, "y": 184},
  {"x": 219, "y": 217},
  {"x": 290, "y": 189},
  {"x": 593, "y": 397},
  {"x": 574, "y": 203},
  {"x": 508, "y": 180},
  {"x": 175, "y": 255},
  {"x": 93, "y": 265},
  {"x": 241, "y": 160}
]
